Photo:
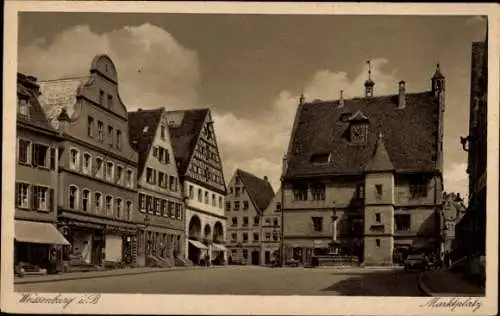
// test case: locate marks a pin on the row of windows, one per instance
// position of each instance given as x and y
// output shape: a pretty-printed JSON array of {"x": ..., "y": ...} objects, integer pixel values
[
  {"x": 256, "y": 237},
  {"x": 236, "y": 205},
  {"x": 200, "y": 169},
  {"x": 30, "y": 196},
  {"x": 234, "y": 221},
  {"x": 402, "y": 223},
  {"x": 162, "y": 154},
  {"x": 236, "y": 191},
  {"x": 36, "y": 155},
  {"x": 99, "y": 169},
  {"x": 160, "y": 207},
  {"x": 303, "y": 192},
  {"x": 204, "y": 197},
  {"x": 161, "y": 179},
  {"x": 96, "y": 202},
  {"x": 113, "y": 138}
]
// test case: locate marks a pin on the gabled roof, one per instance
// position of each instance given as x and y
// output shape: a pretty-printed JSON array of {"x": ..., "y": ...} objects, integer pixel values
[
  {"x": 259, "y": 190},
  {"x": 380, "y": 160},
  {"x": 28, "y": 87},
  {"x": 410, "y": 135},
  {"x": 185, "y": 135},
  {"x": 59, "y": 94},
  {"x": 142, "y": 128}
]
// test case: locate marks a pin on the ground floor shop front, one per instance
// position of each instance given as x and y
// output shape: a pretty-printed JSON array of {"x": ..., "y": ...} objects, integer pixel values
[
  {"x": 270, "y": 253},
  {"x": 96, "y": 244},
  {"x": 245, "y": 254},
  {"x": 38, "y": 247},
  {"x": 159, "y": 243}
]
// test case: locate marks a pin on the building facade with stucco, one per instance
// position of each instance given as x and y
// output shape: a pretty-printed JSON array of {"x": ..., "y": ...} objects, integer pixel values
[
  {"x": 97, "y": 189},
  {"x": 363, "y": 177},
  {"x": 160, "y": 213}
]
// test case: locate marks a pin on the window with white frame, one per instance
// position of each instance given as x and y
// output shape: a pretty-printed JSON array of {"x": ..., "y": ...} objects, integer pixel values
[
  {"x": 109, "y": 171},
  {"x": 171, "y": 209},
  {"x": 171, "y": 183},
  {"x": 100, "y": 131},
  {"x": 149, "y": 175},
  {"x": 214, "y": 201},
  {"x": 149, "y": 204},
  {"x": 142, "y": 202},
  {"x": 40, "y": 155},
  {"x": 22, "y": 195},
  {"x": 85, "y": 200},
  {"x": 157, "y": 206},
  {"x": 119, "y": 174},
  {"x": 130, "y": 179},
  {"x": 118, "y": 208},
  {"x": 73, "y": 197},
  {"x": 24, "y": 151},
  {"x": 99, "y": 168},
  {"x": 163, "y": 208},
  {"x": 161, "y": 179},
  {"x": 220, "y": 202},
  {"x": 109, "y": 205},
  {"x": 98, "y": 202},
  {"x": 41, "y": 198},
  {"x": 178, "y": 211},
  {"x": 199, "y": 195},
  {"x": 206, "y": 197},
  {"x": 74, "y": 161},
  {"x": 87, "y": 163},
  {"x": 128, "y": 210}
]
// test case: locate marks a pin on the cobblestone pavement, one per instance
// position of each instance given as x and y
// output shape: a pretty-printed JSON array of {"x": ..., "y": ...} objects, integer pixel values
[{"x": 246, "y": 280}]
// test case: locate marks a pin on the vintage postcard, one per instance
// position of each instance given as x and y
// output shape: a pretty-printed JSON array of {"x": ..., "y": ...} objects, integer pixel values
[{"x": 250, "y": 158}]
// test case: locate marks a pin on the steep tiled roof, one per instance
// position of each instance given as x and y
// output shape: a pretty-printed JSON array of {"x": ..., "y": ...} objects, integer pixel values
[
  {"x": 36, "y": 117},
  {"x": 259, "y": 190},
  {"x": 142, "y": 127},
  {"x": 410, "y": 135},
  {"x": 59, "y": 94},
  {"x": 184, "y": 135},
  {"x": 380, "y": 160}
]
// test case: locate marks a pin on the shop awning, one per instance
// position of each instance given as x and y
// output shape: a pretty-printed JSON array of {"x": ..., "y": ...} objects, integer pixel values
[
  {"x": 219, "y": 247},
  {"x": 197, "y": 244},
  {"x": 40, "y": 233}
]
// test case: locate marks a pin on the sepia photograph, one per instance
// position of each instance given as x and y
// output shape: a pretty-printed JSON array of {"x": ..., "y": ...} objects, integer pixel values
[{"x": 248, "y": 157}]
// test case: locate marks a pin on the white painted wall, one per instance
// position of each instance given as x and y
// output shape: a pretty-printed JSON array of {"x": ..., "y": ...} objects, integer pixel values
[{"x": 113, "y": 248}]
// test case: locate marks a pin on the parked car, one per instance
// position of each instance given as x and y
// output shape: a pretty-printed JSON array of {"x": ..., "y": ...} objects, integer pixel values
[{"x": 415, "y": 261}]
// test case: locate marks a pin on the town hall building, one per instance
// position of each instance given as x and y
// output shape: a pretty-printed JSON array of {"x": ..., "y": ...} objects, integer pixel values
[{"x": 363, "y": 177}]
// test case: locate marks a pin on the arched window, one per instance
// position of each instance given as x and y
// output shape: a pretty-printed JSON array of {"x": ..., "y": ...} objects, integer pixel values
[
  {"x": 74, "y": 162},
  {"x": 98, "y": 202},
  {"x": 109, "y": 205},
  {"x": 73, "y": 197},
  {"x": 86, "y": 200},
  {"x": 87, "y": 163}
]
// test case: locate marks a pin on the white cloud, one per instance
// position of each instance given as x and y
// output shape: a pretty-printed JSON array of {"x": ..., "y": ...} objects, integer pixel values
[
  {"x": 258, "y": 145},
  {"x": 456, "y": 179},
  {"x": 153, "y": 68}
]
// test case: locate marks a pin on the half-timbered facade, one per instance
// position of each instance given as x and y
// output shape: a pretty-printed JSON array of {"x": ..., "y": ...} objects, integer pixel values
[{"x": 200, "y": 170}]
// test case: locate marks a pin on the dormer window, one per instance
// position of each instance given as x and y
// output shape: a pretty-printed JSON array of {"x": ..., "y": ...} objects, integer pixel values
[
  {"x": 23, "y": 106},
  {"x": 359, "y": 133},
  {"x": 322, "y": 158}
]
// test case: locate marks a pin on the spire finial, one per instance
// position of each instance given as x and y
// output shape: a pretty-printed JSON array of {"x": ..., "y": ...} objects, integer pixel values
[{"x": 369, "y": 62}]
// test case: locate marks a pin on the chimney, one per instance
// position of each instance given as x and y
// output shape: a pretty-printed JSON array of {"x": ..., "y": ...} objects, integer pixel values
[
  {"x": 341, "y": 99},
  {"x": 139, "y": 110},
  {"x": 402, "y": 95},
  {"x": 266, "y": 178}
]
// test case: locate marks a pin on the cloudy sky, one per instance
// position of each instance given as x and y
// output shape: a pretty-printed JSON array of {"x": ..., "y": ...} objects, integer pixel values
[{"x": 250, "y": 69}]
